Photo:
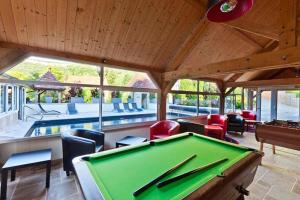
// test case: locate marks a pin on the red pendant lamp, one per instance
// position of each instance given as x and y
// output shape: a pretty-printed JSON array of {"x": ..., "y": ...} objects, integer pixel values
[{"x": 227, "y": 10}]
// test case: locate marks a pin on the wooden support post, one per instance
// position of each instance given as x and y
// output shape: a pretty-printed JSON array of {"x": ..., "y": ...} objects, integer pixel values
[
  {"x": 273, "y": 149},
  {"x": 261, "y": 148}
]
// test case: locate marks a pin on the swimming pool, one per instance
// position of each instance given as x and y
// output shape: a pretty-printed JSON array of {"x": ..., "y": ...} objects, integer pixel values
[{"x": 54, "y": 127}]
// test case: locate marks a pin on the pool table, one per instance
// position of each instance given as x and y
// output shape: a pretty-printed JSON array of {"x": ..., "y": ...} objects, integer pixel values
[{"x": 117, "y": 173}]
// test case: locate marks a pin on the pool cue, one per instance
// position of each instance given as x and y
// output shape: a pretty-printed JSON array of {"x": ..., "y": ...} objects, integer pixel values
[
  {"x": 154, "y": 181},
  {"x": 181, "y": 176}
]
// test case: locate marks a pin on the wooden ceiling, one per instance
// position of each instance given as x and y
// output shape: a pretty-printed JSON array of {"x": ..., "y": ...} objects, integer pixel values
[
  {"x": 164, "y": 35},
  {"x": 135, "y": 31}
]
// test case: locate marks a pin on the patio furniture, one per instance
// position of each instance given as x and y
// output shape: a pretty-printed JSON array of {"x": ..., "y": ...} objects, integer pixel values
[
  {"x": 187, "y": 125},
  {"x": 134, "y": 106},
  {"x": 235, "y": 123},
  {"x": 164, "y": 129},
  {"x": 130, "y": 140},
  {"x": 117, "y": 107},
  {"x": 214, "y": 131},
  {"x": 80, "y": 142},
  {"x": 126, "y": 107},
  {"x": 48, "y": 112},
  {"x": 25, "y": 159},
  {"x": 217, "y": 120},
  {"x": 72, "y": 109}
]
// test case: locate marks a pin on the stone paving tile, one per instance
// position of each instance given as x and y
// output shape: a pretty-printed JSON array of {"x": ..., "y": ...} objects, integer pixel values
[
  {"x": 296, "y": 188},
  {"x": 280, "y": 194}
]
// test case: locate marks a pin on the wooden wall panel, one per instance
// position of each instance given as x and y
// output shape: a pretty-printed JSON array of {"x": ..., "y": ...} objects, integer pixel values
[{"x": 8, "y": 20}]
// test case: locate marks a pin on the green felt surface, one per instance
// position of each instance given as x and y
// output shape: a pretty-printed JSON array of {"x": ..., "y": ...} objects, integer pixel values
[{"x": 120, "y": 172}]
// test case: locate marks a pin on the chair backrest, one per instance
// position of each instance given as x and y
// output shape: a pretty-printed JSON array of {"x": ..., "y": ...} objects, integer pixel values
[
  {"x": 215, "y": 118},
  {"x": 126, "y": 106},
  {"x": 163, "y": 128},
  {"x": 134, "y": 105},
  {"x": 72, "y": 108}
]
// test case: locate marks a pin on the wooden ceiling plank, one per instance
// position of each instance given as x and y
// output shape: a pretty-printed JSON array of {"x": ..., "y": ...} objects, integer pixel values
[
  {"x": 51, "y": 24},
  {"x": 41, "y": 22},
  {"x": 2, "y": 30},
  {"x": 30, "y": 12},
  {"x": 288, "y": 19},
  {"x": 189, "y": 44},
  {"x": 174, "y": 39},
  {"x": 272, "y": 82},
  {"x": 8, "y": 20},
  {"x": 62, "y": 7},
  {"x": 263, "y": 61},
  {"x": 114, "y": 10},
  {"x": 70, "y": 25},
  {"x": 76, "y": 57},
  {"x": 146, "y": 33},
  {"x": 20, "y": 21},
  {"x": 172, "y": 22},
  {"x": 124, "y": 30},
  {"x": 163, "y": 29},
  {"x": 91, "y": 9},
  {"x": 97, "y": 19}
]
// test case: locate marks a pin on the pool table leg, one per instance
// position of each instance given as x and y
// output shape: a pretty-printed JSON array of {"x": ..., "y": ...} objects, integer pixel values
[
  {"x": 273, "y": 149},
  {"x": 241, "y": 197}
]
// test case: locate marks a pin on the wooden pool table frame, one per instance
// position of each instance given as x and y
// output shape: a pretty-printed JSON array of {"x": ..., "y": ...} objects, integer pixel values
[{"x": 230, "y": 186}]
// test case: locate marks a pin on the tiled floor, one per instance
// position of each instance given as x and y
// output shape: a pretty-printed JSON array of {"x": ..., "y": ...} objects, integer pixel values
[{"x": 277, "y": 179}]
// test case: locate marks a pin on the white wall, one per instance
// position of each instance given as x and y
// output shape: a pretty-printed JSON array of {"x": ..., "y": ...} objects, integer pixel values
[{"x": 54, "y": 143}]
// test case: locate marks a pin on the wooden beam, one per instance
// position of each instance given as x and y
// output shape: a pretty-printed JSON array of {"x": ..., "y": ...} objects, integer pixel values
[
  {"x": 272, "y": 82},
  {"x": 12, "y": 58},
  {"x": 77, "y": 57},
  {"x": 245, "y": 38},
  {"x": 282, "y": 58},
  {"x": 288, "y": 19},
  {"x": 255, "y": 29},
  {"x": 189, "y": 44}
]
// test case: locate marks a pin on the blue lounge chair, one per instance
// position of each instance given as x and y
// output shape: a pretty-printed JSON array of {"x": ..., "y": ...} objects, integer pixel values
[
  {"x": 126, "y": 107},
  {"x": 134, "y": 106},
  {"x": 117, "y": 108},
  {"x": 72, "y": 109}
]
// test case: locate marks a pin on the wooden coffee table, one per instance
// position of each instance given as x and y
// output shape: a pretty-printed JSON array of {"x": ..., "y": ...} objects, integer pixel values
[
  {"x": 130, "y": 140},
  {"x": 25, "y": 159}
]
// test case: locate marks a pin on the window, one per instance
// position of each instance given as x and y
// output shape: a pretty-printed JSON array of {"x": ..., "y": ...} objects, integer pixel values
[
  {"x": 2, "y": 98},
  {"x": 233, "y": 102},
  {"x": 44, "y": 69},
  {"x": 126, "y": 78},
  {"x": 181, "y": 105},
  {"x": 266, "y": 106},
  {"x": 192, "y": 98},
  {"x": 9, "y": 98},
  {"x": 185, "y": 85},
  {"x": 16, "y": 96},
  {"x": 288, "y": 105},
  {"x": 68, "y": 94}
]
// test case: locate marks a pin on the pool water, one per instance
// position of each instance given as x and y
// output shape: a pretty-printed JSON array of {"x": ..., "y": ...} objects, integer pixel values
[{"x": 54, "y": 127}]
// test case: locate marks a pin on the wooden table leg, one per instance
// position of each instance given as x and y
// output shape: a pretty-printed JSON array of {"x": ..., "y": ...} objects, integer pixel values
[
  {"x": 4, "y": 175},
  {"x": 273, "y": 149},
  {"x": 12, "y": 175},
  {"x": 261, "y": 148},
  {"x": 48, "y": 172}
]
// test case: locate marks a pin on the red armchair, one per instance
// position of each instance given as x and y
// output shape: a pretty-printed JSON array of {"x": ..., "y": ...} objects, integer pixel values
[
  {"x": 217, "y": 120},
  {"x": 164, "y": 129},
  {"x": 248, "y": 115}
]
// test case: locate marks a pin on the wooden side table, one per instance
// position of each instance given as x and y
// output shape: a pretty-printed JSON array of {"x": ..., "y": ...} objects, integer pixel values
[{"x": 25, "y": 159}]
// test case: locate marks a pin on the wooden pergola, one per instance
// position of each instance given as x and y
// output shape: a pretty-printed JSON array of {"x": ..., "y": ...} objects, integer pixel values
[{"x": 170, "y": 39}]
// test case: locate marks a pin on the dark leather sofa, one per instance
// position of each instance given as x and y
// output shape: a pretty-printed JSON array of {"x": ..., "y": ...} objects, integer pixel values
[
  {"x": 235, "y": 123},
  {"x": 80, "y": 142},
  {"x": 190, "y": 126}
]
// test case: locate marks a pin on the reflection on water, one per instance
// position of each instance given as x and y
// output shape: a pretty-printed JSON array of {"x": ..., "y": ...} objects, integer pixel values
[{"x": 45, "y": 130}]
